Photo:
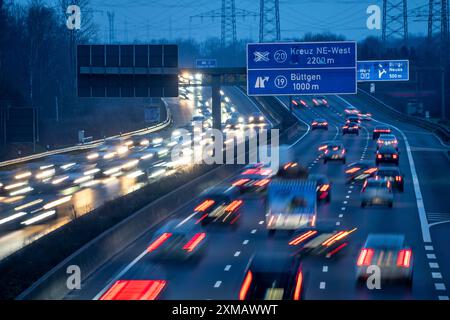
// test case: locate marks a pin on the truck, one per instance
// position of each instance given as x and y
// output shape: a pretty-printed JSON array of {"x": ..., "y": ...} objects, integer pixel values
[
  {"x": 291, "y": 200},
  {"x": 291, "y": 204}
]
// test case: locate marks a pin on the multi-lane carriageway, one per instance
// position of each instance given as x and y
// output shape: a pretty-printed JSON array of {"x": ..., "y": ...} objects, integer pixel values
[{"x": 421, "y": 213}]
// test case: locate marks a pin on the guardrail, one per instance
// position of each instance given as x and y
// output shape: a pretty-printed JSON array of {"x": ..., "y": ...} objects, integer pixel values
[
  {"x": 91, "y": 144},
  {"x": 436, "y": 128}
]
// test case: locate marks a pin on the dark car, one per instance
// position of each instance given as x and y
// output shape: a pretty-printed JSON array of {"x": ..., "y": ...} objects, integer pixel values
[
  {"x": 391, "y": 254},
  {"x": 387, "y": 154},
  {"x": 350, "y": 128},
  {"x": 393, "y": 175},
  {"x": 387, "y": 140},
  {"x": 320, "y": 241},
  {"x": 377, "y": 191},
  {"x": 273, "y": 276},
  {"x": 334, "y": 152},
  {"x": 353, "y": 118},
  {"x": 219, "y": 204},
  {"x": 320, "y": 101},
  {"x": 319, "y": 123},
  {"x": 177, "y": 240},
  {"x": 323, "y": 186},
  {"x": 256, "y": 118},
  {"x": 359, "y": 171},
  {"x": 378, "y": 130}
]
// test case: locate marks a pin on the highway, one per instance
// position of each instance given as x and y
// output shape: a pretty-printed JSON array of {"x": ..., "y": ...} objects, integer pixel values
[
  {"x": 79, "y": 191},
  {"x": 421, "y": 213}
]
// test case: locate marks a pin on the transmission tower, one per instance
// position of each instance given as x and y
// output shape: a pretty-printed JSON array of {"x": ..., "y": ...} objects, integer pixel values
[
  {"x": 228, "y": 14},
  {"x": 269, "y": 20},
  {"x": 395, "y": 20},
  {"x": 436, "y": 13},
  {"x": 111, "y": 26}
]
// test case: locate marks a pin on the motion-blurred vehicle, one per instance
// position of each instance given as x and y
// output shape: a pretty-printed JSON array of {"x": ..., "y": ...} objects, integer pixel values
[
  {"x": 319, "y": 123},
  {"x": 323, "y": 186},
  {"x": 177, "y": 240},
  {"x": 273, "y": 276},
  {"x": 334, "y": 152},
  {"x": 291, "y": 204},
  {"x": 393, "y": 175},
  {"x": 387, "y": 154},
  {"x": 387, "y": 140},
  {"x": 320, "y": 241},
  {"x": 377, "y": 192},
  {"x": 359, "y": 171},
  {"x": 201, "y": 121},
  {"x": 253, "y": 179},
  {"x": 256, "y": 118},
  {"x": 233, "y": 123},
  {"x": 135, "y": 290},
  {"x": 353, "y": 118},
  {"x": 350, "y": 128},
  {"x": 319, "y": 101},
  {"x": 365, "y": 116},
  {"x": 351, "y": 110},
  {"x": 391, "y": 254},
  {"x": 378, "y": 130},
  {"x": 299, "y": 102},
  {"x": 219, "y": 204}
]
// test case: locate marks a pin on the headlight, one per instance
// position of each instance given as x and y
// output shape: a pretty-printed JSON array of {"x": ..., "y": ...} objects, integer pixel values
[
  {"x": 261, "y": 118},
  {"x": 241, "y": 119},
  {"x": 251, "y": 119}
]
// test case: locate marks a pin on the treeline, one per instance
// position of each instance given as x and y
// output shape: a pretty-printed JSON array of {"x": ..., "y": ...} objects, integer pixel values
[{"x": 37, "y": 54}]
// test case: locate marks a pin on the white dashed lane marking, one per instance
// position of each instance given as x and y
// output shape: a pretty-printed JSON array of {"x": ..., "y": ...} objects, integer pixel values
[
  {"x": 253, "y": 231},
  {"x": 325, "y": 269},
  {"x": 436, "y": 275},
  {"x": 217, "y": 284},
  {"x": 245, "y": 242},
  {"x": 322, "y": 285},
  {"x": 237, "y": 253}
]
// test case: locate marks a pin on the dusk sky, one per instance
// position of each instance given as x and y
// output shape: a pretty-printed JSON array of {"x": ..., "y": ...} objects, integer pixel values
[
  {"x": 152, "y": 19},
  {"x": 171, "y": 18}
]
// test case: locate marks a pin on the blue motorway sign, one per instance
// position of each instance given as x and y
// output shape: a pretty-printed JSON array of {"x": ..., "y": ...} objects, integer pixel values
[
  {"x": 206, "y": 63},
  {"x": 383, "y": 70},
  {"x": 294, "y": 68}
]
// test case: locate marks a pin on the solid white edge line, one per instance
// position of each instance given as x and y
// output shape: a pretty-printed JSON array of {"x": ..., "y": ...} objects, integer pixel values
[{"x": 418, "y": 194}]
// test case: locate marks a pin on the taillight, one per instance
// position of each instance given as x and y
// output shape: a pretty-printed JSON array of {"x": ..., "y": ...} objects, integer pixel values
[
  {"x": 262, "y": 183},
  {"x": 240, "y": 182},
  {"x": 314, "y": 123},
  {"x": 324, "y": 188},
  {"x": 245, "y": 285},
  {"x": 343, "y": 151},
  {"x": 298, "y": 285},
  {"x": 394, "y": 156},
  {"x": 365, "y": 257},
  {"x": 204, "y": 205},
  {"x": 379, "y": 156},
  {"x": 398, "y": 178},
  {"x": 158, "y": 242},
  {"x": 326, "y": 151},
  {"x": 302, "y": 237},
  {"x": 404, "y": 258},
  {"x": 233, "y": 205},
  {"x": 371, "y": 170},
  {"x": 194, "y": 242},
  {"x": 352, "y": 170}
]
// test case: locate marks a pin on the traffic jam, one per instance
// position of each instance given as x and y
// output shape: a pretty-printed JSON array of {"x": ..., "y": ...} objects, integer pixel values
[{"x": 293, "y": 199}]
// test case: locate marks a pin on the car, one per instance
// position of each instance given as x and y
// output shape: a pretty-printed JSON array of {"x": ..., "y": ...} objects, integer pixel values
[
  {"x": 256, "y": 118},
  {"x": 351, "y": 110},
  {"x": 320, "y": 101},
  {"x": 177, "y": 240},
  {"x": 201, "y": 121},
  {"x": 391, "y": 254},
  {"x": 273, "y": 276},
  {"x": 320, "y": 241},
  {"x": 237, "y": 115},
  {"x": 219, "y": 204},
  {"x": 365, "y": 116},
  {"x": 299, "y": 102},
  {"x": 377, "y": 192},
  {"x": 135, "y": 290},
  {"x": 387, "y": 140},
  {"x": 254, "y": 178},
  {"x": 319, "y": 123},
  {"x": 387, "y": 154},
  {"x": 359, "y": 171},
  {"x": 393, "y": 175},
  {"x": 323, "y": 186},
  {"x": 351, "y": 127},
  {"x": 233, "y": 123},
  {"x": 378, "y": 130},
  {"x": 353, "y": 118},
  {"x": 333, "y": 152}
]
